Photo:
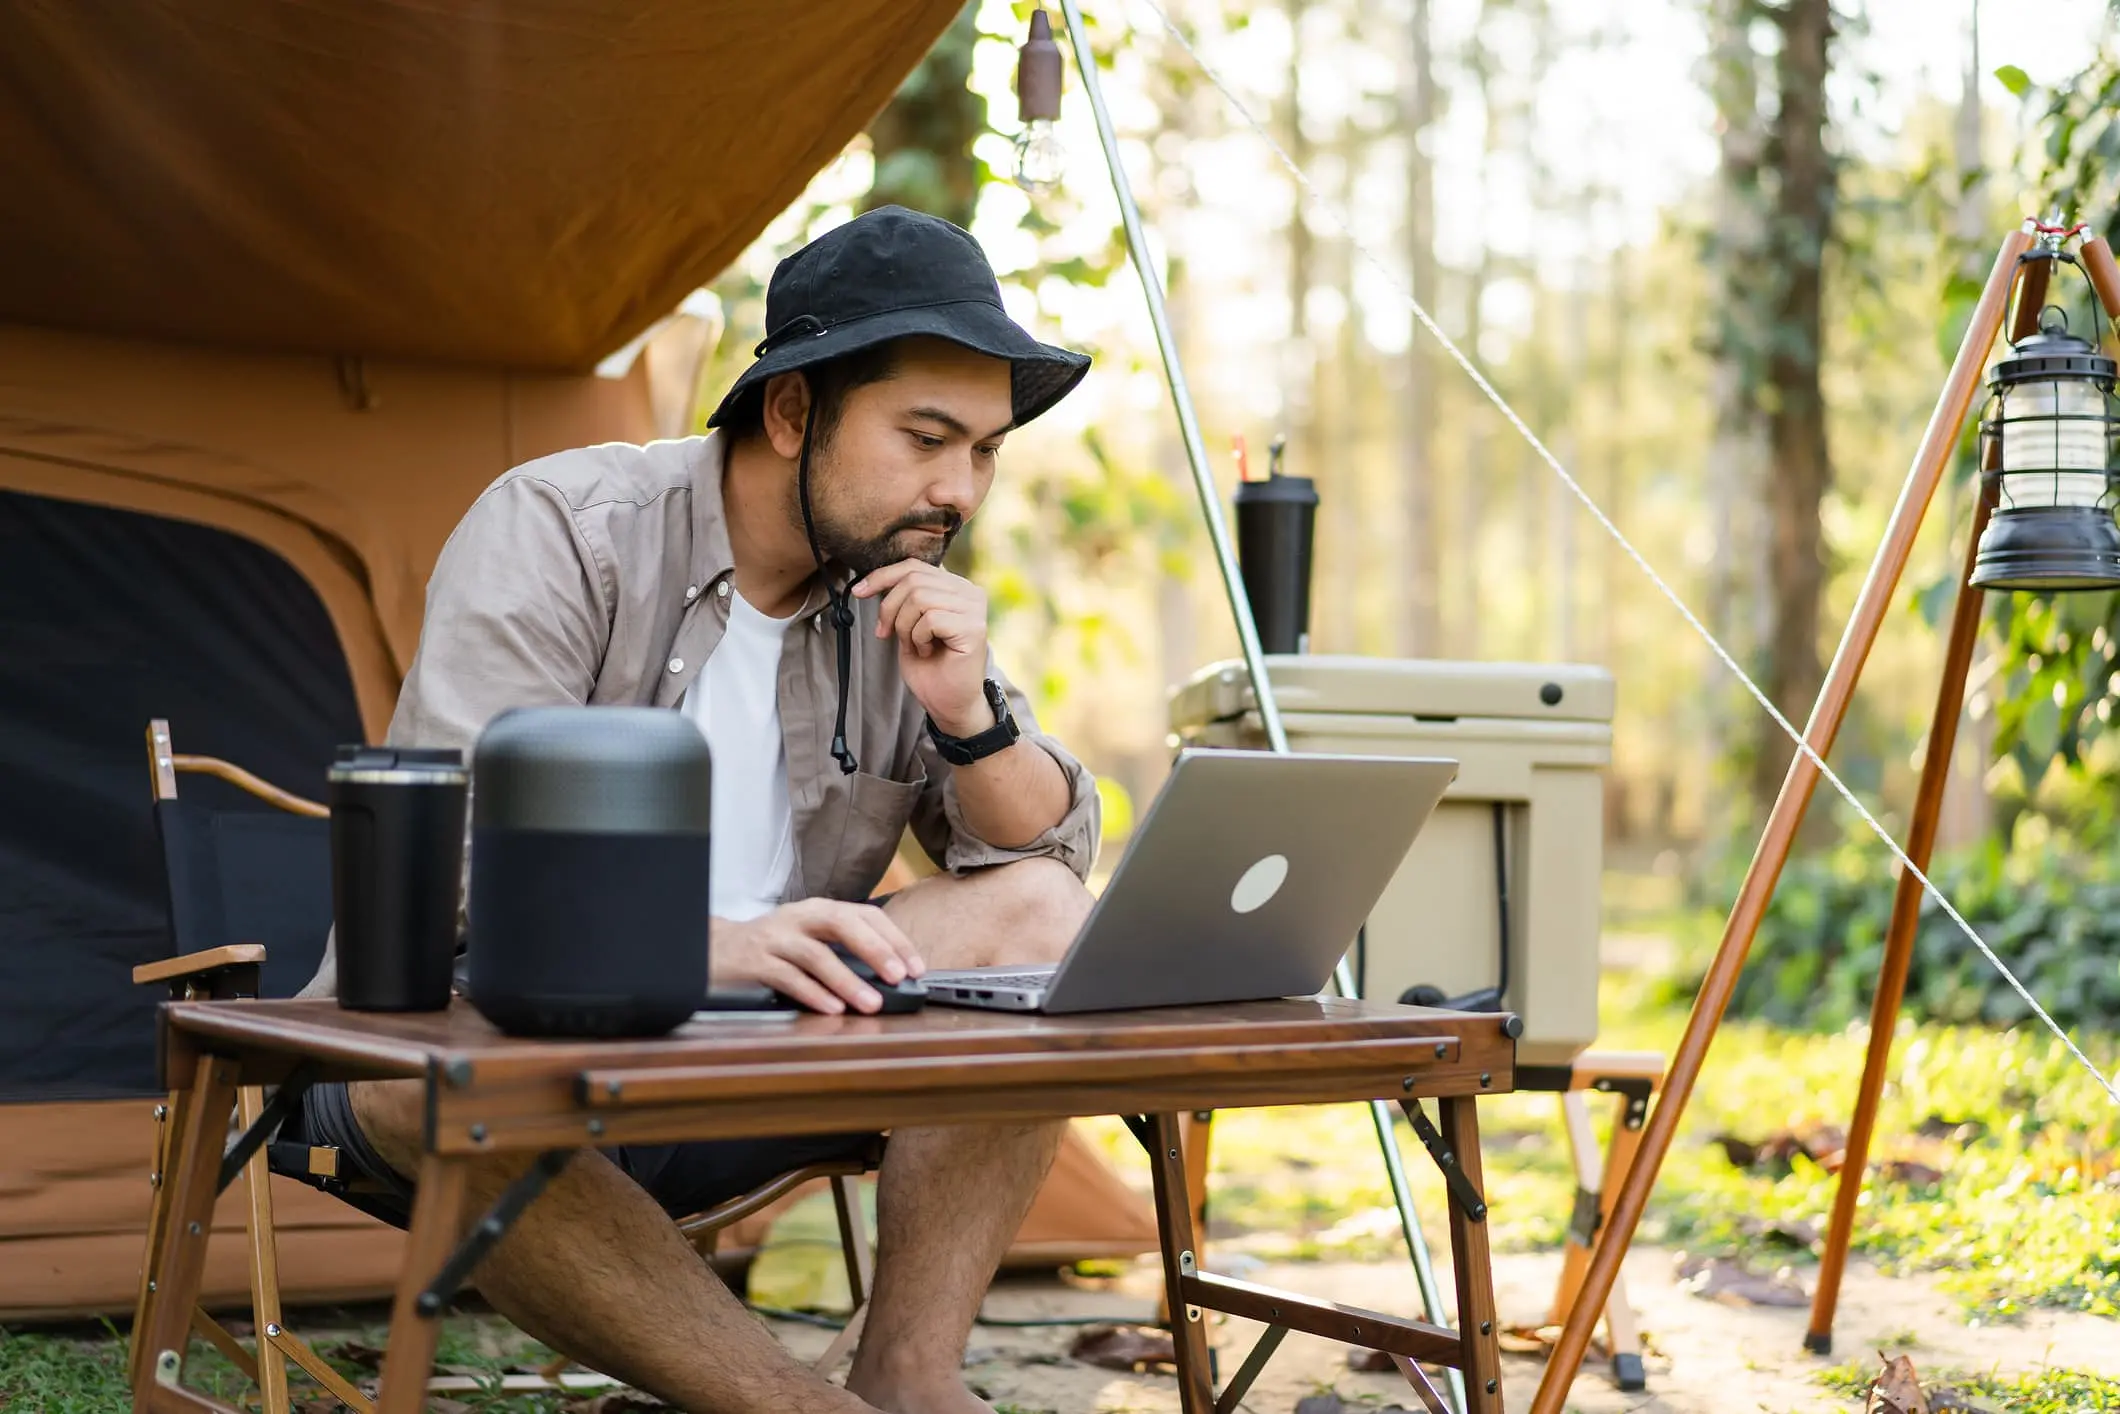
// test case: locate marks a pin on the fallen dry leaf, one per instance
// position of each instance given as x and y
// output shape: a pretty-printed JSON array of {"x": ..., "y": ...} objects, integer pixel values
[
  {"x": 1824, "y": 1145},
  {"x": 1785, "y": 1232},
  {"x": 368, "y": 1357},
  {"x": 618, "y": 1401},
  {"x": 1131, "y": 1348},
  {"x": 1729, "y": 1281},
  {"x": 1910, "y": 1172},
  {"x": 1330, "y": 1402},
  {"x": 1896, "y": 1390},
  {"x": 1961, "y": 1131},
  {"x": 1526, "y": 1340}
]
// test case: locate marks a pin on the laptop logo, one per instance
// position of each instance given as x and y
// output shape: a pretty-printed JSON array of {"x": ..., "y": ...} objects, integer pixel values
[{"x": 1260, "y": 883}]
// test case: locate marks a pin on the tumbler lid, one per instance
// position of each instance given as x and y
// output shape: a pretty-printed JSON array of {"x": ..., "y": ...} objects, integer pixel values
[
  {"x": 399, "y": 765},
  {"x": 1292, "y": 490}
]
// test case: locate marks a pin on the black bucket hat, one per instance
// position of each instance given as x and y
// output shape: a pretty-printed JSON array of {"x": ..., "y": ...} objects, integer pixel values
[{"x": 892, "y": 274}]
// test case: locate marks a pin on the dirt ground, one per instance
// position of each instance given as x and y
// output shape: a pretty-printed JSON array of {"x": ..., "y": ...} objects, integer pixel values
[{"x": 1703, "y": 1355}]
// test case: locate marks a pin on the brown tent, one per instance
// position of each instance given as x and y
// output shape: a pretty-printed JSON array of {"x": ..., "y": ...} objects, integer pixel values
[{"x": 282, "y": 286}]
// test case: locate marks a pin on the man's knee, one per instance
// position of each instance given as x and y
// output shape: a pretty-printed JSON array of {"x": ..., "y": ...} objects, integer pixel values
[
  {"x": 1045, "y": 904},
  {"x": 393, "y": 1118}
]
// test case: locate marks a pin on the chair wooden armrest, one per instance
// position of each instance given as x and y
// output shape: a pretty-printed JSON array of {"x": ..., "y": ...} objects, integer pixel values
[
  {"x": 230, "y": 971},
  {"x": 714, "y": 1219}
]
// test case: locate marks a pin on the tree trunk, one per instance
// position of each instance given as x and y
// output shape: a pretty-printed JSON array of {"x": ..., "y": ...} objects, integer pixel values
[
  {"x": 1966, "y": 805},
  {"x": 1796, "y": 425},
  {"x": 922, "y": 140},
  {"x": 922, "y": 143},
  {"x": 1420, "y": 627},
  {"x": 1736, "y": 581},
  {"x": 1476, "y": 473}
]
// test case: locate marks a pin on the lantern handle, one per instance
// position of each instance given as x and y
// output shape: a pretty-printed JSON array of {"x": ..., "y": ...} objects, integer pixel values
[{"x": 2035, "y": 269}]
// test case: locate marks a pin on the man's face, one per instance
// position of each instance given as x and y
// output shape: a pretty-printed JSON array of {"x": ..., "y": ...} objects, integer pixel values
[{"x": 911, "y": 459}]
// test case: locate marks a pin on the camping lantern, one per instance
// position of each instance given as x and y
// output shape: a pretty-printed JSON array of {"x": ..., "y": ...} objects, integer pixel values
[
  {"x": 2047, "y": 443},
  {"x": 1040, "y": 155}
]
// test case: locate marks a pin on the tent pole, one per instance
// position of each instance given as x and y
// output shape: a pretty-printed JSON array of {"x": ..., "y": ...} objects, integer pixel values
[{"x": 1239, "y": 603}]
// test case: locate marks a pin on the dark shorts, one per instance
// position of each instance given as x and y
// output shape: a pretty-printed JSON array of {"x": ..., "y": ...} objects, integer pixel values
[{"x": 683, "y": 1178}]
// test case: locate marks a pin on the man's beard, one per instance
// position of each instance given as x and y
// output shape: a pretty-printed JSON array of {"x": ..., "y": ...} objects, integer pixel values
[{"x": 865, "y": 553}]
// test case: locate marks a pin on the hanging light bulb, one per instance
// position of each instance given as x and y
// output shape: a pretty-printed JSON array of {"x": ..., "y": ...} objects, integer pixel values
[{"x": 1041, "y": 158}]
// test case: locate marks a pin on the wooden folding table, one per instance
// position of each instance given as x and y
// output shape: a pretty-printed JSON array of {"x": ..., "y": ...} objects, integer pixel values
[{"x": 491, "y": 1094}]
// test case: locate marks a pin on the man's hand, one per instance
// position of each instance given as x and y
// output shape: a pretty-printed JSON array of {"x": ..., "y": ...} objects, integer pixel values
[
  {"x": 939, "y": 620},
  {"x": 789, "y": 951}
]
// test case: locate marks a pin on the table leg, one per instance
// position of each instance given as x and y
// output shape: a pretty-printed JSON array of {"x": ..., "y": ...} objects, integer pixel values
[
  {"x": 437, "y": 1215},
  {"x": 1475, "y": 1272},
  {"x": 189, "y": 1187},
  {"x": 169, "y": 1128},
  {"x": 1188, "y": 1324},
  {"x": 1195, "y": 1133}
]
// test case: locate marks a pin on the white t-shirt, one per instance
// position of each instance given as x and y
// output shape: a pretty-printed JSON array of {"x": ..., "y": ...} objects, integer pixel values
[{"x": 735, "y": 700}]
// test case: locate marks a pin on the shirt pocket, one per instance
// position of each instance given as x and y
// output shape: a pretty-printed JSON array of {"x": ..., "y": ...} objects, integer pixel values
[{"x": 877, "y": 810}]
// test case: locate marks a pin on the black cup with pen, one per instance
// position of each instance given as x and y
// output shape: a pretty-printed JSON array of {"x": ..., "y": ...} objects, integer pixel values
[
  {"x": 397, "y": 861},
  {"x": 1275, "y": 520}
]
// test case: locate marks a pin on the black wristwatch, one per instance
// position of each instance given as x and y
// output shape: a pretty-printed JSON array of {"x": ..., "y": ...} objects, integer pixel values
[{"x": 964, "y": 750}]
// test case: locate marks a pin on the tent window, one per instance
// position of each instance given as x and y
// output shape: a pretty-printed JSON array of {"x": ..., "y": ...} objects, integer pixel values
[{"x": 107, "y": 618}]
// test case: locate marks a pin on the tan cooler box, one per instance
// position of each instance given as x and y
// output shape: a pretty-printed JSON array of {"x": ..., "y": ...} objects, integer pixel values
[{"x": 1524, "y": 821}]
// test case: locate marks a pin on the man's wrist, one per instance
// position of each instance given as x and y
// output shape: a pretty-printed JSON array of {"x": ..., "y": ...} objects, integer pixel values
[{"x": 977, "y": 718}]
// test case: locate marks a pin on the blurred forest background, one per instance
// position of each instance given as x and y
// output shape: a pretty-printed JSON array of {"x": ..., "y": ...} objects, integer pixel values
[{"x": 1717, "y": 253}]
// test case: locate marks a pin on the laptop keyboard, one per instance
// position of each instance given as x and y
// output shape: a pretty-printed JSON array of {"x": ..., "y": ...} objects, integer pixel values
[{"x": 994, "y": 979}]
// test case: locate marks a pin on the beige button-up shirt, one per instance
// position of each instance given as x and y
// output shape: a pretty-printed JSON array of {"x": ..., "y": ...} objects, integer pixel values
[{"x": 601, "y": 576}]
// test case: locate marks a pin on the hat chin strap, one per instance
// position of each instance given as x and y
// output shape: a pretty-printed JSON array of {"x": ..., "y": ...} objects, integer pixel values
[{"x": 842, "y": 609}]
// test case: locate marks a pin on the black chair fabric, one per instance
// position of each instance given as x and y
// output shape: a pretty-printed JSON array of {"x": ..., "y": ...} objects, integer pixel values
[{"x": 247, "y": 877}]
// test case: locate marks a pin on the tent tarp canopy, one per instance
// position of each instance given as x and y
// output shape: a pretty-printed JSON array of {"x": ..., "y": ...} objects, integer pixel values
[
  {"x": 512, "y": 183},
  {"x": 283, "y": 285}
]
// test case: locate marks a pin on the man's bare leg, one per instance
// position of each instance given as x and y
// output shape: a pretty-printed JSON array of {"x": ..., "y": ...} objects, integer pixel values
[
  {"x": 596, "y": 1269},
  {"x": 950, "y": 1198}
]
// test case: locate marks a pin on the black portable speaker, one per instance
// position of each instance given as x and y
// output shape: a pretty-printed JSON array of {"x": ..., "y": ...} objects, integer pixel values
[{"x": 589, "y": 864}]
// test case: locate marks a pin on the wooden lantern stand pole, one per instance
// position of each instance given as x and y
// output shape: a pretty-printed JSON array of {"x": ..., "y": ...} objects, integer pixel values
[
  {"x": 2098, "y": 263},
  {"x": 1930, "y": 462}
]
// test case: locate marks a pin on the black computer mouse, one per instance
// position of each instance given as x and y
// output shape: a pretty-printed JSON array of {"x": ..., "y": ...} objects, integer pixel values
[{"x": 909, "y": 995}]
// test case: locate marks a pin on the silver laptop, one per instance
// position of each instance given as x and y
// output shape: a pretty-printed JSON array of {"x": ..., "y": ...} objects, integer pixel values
[{"x": 1247, "y": 880}]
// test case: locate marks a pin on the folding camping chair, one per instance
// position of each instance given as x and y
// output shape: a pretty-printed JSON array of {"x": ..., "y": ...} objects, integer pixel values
[{"x": 254, "y": 874}]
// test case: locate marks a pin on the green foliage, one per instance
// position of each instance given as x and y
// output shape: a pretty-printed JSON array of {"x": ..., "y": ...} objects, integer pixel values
[
  {"x": 923, "y": 138},
  {"x": 2039, "y": 1392},
  {"x": 2052, "y": 914},
  {"x": 2026, "y": 1212}
]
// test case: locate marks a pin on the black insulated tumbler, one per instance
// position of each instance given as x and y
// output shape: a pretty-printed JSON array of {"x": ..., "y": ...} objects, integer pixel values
[
  {"x": 1274, "y": 522},
  {"x": 397, "y": 859},
  {"x": 590, "y": 851}
]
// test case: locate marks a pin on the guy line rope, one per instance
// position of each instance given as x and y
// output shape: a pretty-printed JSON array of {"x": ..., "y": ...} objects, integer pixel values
[{"x": 1318, "y": 201}]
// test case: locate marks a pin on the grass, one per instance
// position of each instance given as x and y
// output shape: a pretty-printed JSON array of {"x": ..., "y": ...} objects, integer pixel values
[
  {"x": 2027, "y": 1212},
  {"x": 82, "y": 1373},
  {"x": 2036, "y": 1392}
]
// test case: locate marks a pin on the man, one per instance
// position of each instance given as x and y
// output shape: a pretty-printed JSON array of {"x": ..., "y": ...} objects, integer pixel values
[{"x": 779, "y": 581}]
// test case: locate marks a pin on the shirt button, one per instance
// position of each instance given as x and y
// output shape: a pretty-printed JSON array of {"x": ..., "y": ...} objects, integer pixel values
[
  {"x": 691, "y": 592},
  {"x": 677, "y": 665},
  {"x": 722, "y": 589}
]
